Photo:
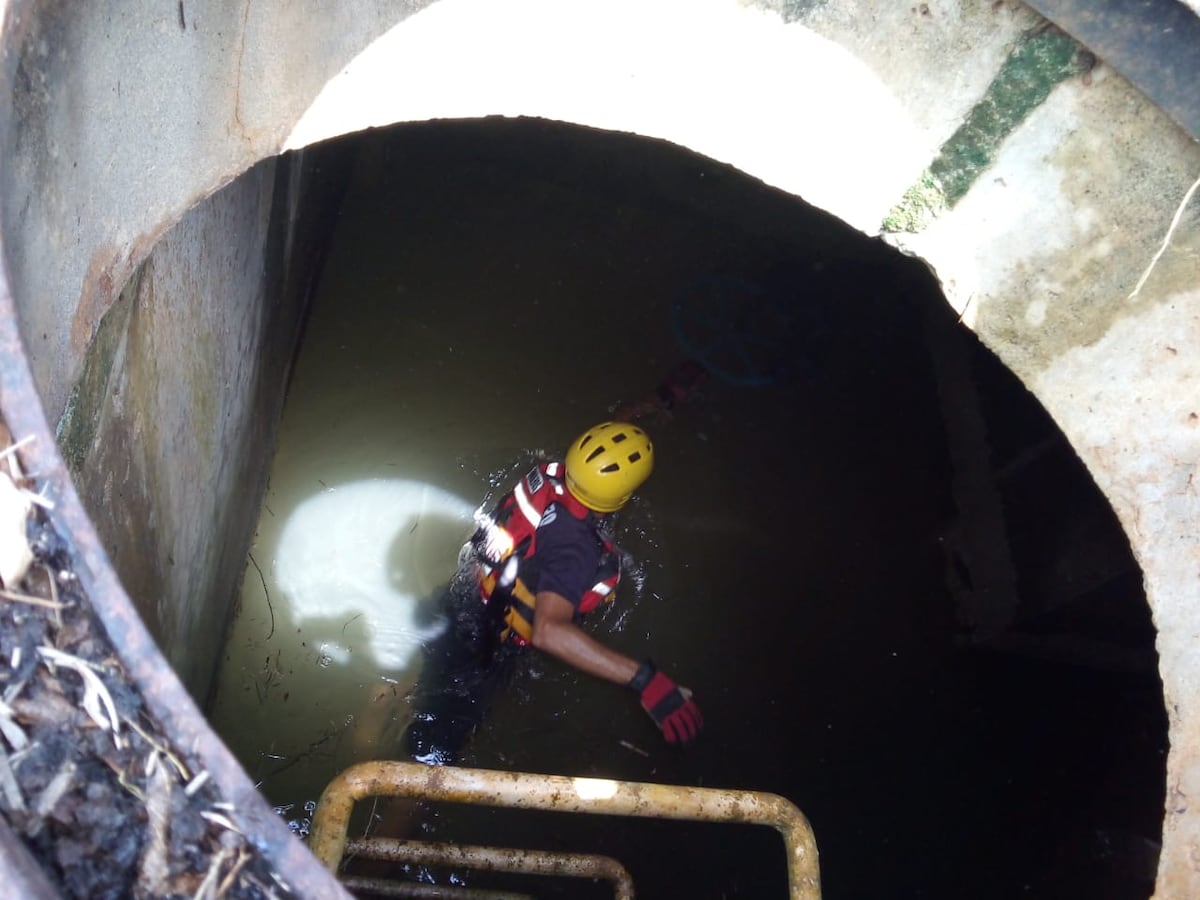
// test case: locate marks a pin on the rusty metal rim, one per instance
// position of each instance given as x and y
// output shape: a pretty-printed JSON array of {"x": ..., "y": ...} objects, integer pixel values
[{"x": 160, "y": 688}]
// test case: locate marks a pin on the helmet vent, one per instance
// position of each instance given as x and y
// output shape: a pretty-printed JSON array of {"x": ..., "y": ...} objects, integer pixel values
[
  {"x": 611, "y": 467},
  {"x": 617, "y": 438},
  {"x": 635, "y": 456},
  {"x": 595, "y": 453}
]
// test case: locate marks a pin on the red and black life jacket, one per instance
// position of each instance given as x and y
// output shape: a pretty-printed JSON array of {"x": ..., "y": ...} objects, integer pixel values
[{"x": 506, "y": 546}]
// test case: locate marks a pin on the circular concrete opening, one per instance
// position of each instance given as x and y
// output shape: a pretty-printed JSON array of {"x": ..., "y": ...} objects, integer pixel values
[
  {"x": 899, "y": 595},
  {"x": 1077, "y": 247}
]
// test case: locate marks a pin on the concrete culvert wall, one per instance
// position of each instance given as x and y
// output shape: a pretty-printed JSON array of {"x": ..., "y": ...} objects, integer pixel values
[{"x": 152, "y": 316}]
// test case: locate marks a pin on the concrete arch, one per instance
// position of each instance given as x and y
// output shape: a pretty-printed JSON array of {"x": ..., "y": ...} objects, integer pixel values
[{"x": 1051, "y": 198}]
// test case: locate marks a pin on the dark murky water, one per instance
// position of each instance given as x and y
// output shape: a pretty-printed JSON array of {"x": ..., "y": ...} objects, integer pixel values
[{"x": 496, "y": 288}]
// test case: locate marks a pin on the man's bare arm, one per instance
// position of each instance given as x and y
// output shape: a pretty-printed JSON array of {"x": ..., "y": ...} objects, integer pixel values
[{"x": 555, "y": 632}]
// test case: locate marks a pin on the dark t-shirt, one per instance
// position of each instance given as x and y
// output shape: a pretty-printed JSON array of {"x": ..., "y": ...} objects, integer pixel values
[{"x": 567, "y": 555}]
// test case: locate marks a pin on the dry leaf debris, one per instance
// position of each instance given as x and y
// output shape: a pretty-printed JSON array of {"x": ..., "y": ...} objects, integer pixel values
[{"x": 88, "y": 779}]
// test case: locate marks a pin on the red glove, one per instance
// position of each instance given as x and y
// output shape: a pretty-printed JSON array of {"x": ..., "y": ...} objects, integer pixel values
[{"x": 669, "y": 705}]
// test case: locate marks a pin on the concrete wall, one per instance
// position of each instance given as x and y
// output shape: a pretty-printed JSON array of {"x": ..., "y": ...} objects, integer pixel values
[
  {"x": 1038, "y": 184},
  {"x": 169, "y": 431},
  {"x": 121, "y": 117}
]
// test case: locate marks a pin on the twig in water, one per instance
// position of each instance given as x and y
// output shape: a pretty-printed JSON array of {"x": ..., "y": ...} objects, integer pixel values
[
  {"x": 1167, "y": 240},
  {"x": 371, "y": 817},
  {"x": 307, "y": 752},
  {"x": 266, "y": 593}
]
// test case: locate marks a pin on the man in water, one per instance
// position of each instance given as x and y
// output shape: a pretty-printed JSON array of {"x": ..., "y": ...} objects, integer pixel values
[{"x": 537, "y": 564}]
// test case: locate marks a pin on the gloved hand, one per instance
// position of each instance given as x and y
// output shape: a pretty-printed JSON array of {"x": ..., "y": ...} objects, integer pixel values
[{"x": 669, "y": 705}]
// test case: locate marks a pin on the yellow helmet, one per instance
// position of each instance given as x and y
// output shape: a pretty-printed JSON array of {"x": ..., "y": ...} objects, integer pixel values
[{"x": 606, "y": 464}]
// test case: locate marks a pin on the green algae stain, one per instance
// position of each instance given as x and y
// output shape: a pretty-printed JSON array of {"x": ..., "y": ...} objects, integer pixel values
[
  {"x": 85, "y": 405},
  {"x": 203, "y": 383},
  {"x": 1039, "y": 62},
  {"x": 922, "y": 203},
  {"x": 1022, "y": 85}
]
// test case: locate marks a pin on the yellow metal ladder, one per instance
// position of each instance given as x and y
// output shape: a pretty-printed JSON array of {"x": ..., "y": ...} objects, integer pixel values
[{"x": 520, "y": 790}]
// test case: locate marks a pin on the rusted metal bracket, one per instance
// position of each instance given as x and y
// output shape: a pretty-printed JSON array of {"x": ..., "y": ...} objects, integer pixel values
[{"x": 560, "y": 793}]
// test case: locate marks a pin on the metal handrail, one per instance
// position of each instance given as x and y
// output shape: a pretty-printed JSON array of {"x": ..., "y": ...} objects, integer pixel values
[
  {"x": 519, "y": 790},
  {"x": 497, "y": 859}
]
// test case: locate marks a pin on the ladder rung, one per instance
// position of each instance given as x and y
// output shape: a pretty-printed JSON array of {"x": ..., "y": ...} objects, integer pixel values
[{"x": 498, "y": 859}]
